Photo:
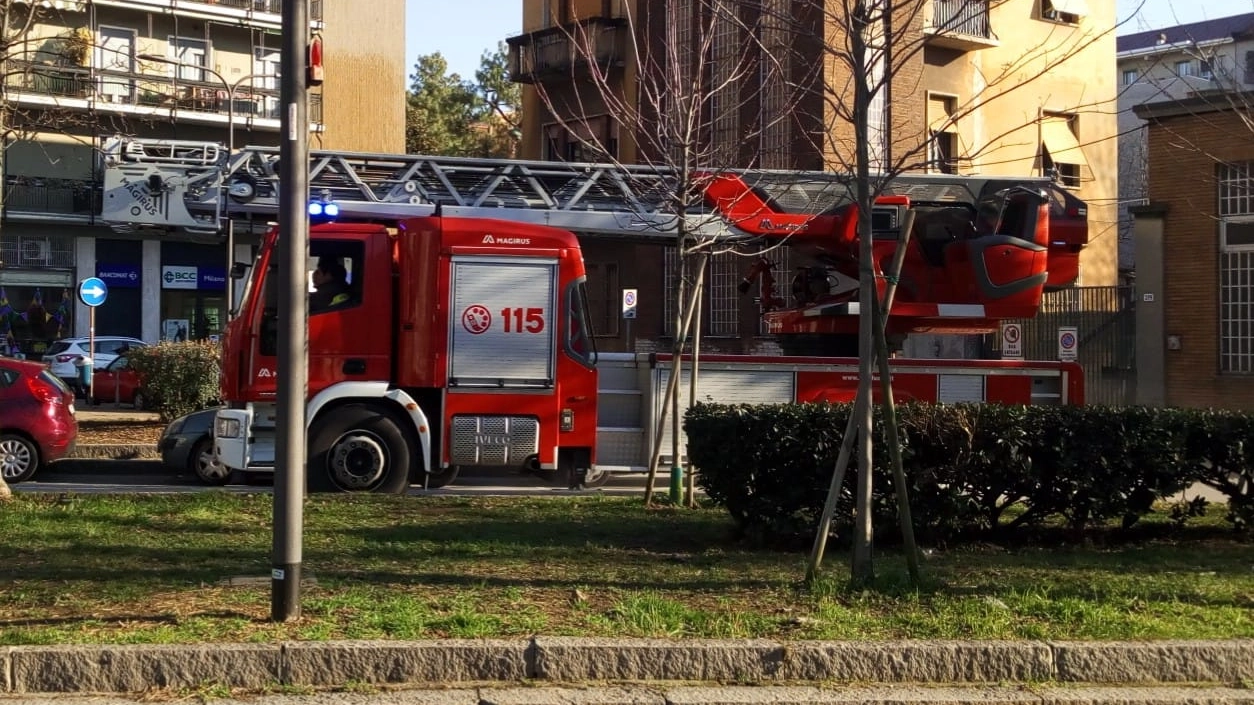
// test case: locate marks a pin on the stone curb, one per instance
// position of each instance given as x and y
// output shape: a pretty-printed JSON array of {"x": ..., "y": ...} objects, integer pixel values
[
  {"x": 114, "y": 451},
  {"x": 132, "y": 668},
  {"x": 635, "y": 694}
]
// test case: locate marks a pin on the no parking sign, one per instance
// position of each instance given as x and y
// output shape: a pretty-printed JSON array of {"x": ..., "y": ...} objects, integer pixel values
[
  {"x": 1011, "y": 341},
  {"x": 629, "y": 303},
  {"x": 1068, "y": 342}
]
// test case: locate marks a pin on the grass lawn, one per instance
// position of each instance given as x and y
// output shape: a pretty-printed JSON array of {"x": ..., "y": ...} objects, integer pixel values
[{"x": 168, "y": 569}]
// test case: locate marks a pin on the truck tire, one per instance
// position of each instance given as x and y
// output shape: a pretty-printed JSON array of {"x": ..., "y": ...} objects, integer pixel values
[
  {"x": 442, "y": 477},
  {"x": 357, "y": 449}
]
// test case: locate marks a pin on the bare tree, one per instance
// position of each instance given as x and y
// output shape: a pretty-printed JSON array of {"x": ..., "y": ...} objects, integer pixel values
[
  {"x": 842, "y": 75},
  {"x": 871, "y": 135},
  {"x": 684, "y": 121}
]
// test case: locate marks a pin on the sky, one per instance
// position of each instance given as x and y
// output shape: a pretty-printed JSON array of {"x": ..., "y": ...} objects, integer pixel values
[{"x": 463, "y": 29}]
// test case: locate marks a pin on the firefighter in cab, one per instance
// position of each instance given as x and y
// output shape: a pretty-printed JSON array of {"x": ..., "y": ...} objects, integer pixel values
[{"x": 330, "y": 282}]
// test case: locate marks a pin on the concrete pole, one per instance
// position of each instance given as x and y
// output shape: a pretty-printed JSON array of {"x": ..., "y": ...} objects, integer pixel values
[{"x": 293, "y": 253}]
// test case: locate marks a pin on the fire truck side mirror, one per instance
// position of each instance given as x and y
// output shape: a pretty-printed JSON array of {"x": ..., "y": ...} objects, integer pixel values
[{"x": 313, "y": 66}]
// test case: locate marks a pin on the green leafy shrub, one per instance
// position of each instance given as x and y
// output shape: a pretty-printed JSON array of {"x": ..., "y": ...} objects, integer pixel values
[
  {"x": 178, "y": 378},
  {"x": 972, "y": 470}
]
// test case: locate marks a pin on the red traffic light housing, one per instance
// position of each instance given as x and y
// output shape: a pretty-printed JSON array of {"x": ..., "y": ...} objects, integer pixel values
[{"x": 314, "y": 73}]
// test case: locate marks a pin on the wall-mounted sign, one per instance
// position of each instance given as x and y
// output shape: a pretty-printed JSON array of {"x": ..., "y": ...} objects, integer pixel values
[
  {"x": 175, "y": 277},
  {"x": 119, "y": 275},
  {"x": 211, "y": 278}
]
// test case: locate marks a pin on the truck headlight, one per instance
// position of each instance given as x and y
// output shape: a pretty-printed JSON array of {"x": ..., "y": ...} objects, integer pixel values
[{"x": 226, "y": 428}]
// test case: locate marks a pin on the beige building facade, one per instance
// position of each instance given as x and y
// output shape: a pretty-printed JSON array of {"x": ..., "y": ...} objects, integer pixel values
[
  {"x": 1013, "y": 87},
  {"x": 177, "y": 70}
]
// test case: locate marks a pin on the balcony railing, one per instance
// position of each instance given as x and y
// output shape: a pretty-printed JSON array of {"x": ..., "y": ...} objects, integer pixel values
[
  {"x": 960, "y": 24},
  {"x": 561, "y": 51},
  {"x": 119, "y": 88},
  {"x": 272, "y": 7},
  {"x": 51, "y": 196}
]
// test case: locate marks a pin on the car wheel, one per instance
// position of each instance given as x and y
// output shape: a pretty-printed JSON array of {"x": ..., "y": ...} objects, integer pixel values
[
  {"x": 205, "y": 464},
  {"x": 358, "y": 449},
  {"x": 19, "y": 458}
]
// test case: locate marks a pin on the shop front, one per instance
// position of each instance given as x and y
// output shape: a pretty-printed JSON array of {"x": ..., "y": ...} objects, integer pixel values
[
  {"x": 36, "y": 308},
  {"x": 193, "y": 294}
]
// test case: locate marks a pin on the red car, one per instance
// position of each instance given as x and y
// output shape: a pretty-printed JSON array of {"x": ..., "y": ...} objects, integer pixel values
[
  {"x": 117, "y": 383},
  {"x": 37, "y": 424}
]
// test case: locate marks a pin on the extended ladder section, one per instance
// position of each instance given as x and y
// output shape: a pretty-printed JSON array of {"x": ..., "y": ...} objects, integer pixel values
[{"x": 198, "y": 185}]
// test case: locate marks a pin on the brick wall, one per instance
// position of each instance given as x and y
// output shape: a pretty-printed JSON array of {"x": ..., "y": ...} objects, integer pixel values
[{"x": 1183, "y": 152}]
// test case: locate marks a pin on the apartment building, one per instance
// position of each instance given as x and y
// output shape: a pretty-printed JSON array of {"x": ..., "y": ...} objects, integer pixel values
[
  {"x": 1195, "y": 243},
  {"x": 1167, "y": 64},
  {"x": 1013, "y": 87},
  {"x": 201, "y": 70}
]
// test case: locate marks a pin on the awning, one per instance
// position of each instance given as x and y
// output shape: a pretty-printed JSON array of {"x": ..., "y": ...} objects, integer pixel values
[
  {"x": 1060, "y": 141},
  {"x": 938, "y": 116},
  {"x": 1079, "y": 8}
]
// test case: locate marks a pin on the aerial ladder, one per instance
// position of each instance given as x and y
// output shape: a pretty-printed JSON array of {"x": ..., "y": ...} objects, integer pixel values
[{"x": 981, "y": 249}]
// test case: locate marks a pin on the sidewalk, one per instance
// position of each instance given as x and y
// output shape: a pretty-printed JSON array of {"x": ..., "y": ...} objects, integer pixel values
[{"x": 112, "y": 413}]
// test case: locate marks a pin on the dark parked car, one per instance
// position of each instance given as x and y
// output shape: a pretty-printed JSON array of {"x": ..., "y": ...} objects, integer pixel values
[
  {"x": 187, "y": 445},
  {"x": 37, "y": 424}
]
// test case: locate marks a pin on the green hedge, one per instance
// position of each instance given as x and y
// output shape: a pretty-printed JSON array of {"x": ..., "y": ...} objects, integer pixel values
[
  {"x": 973, "y": 470},
  {"x": 178, "y": 378}
]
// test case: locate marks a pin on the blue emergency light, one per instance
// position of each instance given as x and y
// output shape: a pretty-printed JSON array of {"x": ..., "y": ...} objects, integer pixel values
[{"x": 323, "y": 211}]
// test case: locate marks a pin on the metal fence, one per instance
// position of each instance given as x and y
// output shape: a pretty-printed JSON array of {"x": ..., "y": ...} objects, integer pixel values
[{"x": 1105, "y": 322}]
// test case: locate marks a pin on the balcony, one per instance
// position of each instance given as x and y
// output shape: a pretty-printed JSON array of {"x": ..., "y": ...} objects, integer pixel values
[
  {"x": 27, "y": 198},
  {"x": 562, "y": 52},
  {"x": 962, "y": 25},
  {"x": 121, "y": 92},
  {"x": 257, "y": 12}
]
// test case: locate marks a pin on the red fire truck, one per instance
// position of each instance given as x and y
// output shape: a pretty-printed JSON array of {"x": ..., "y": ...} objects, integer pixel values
[{"x": 462, "y": 337}]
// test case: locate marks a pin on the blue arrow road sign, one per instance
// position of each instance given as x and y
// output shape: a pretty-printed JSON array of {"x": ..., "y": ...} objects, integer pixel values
[{"x": 92, "y": 291}]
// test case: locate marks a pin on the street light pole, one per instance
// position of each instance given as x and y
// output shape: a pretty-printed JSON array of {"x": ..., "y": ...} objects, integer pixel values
[{"x": 230, "y": 150}]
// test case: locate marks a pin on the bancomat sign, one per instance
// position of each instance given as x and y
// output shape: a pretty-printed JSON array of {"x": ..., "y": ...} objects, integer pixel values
[{"x": 179, "y": 278}]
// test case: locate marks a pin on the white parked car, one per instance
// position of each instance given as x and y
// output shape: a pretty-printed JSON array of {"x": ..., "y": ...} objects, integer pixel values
[{"x": 61, "y": 356}]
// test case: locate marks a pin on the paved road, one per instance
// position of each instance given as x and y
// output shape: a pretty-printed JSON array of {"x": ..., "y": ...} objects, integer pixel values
[{"x": 150, "y": 476}]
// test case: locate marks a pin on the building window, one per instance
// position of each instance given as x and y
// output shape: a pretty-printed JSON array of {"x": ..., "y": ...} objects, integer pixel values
[
  {"x": 721, "y": 302},
  {"x": 1206, "y": 70},
  {"x": 1061, "y": 154},
  {"x": 723, "y": 294},
  {"x": 115, "y": 62},
  {"x": 1184, "y": 68},
  {"x": 1236, "y": 268},
  {"x": 594, "y": 139},
  {"x": 1249, "y": 67},
  {"x": 943, "y": 144},
  {"x": 604, "y": 309},
  {"x": 1066, "y": 11},
  {"x": 188, "y": 54},
  {"x": 781, "y": 272},
  {"x": 1130, "y": 76}
]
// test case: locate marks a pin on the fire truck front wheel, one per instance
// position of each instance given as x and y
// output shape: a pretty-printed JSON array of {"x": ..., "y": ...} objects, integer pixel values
[{"x": 357, "y": 449}]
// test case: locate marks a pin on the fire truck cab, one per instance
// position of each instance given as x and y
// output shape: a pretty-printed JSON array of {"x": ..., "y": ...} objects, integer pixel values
[{"x": 456, "y": 342}]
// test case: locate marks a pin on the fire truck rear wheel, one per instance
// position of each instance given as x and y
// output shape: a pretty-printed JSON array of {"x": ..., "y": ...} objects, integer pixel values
[{"x": 358, "y": 449}]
